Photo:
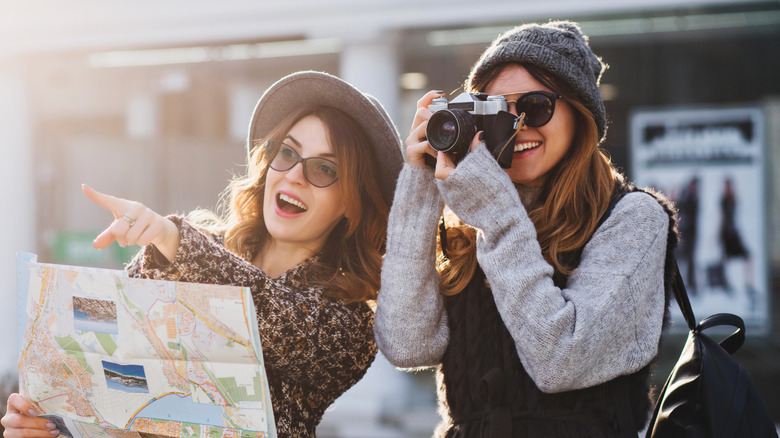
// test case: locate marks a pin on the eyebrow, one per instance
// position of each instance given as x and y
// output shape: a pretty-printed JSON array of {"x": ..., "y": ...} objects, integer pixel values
[{"x": 298, "y": 144}]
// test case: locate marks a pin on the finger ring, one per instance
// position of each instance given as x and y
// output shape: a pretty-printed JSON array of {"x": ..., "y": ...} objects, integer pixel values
[{"x": 127, "y": 218}]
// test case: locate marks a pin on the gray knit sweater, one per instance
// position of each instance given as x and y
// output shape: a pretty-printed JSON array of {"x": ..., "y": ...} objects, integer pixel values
[{"x": 605, "y": 323}]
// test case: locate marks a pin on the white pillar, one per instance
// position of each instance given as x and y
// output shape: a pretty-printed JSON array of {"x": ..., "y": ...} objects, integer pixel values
[
  {"x": 142, "y": 117},
  {"x": 16, "y": 192},
  {"x": 370, "y": 62}
]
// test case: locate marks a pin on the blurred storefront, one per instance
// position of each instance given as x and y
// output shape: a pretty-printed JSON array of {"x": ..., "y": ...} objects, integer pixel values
[{"x": 153, "y": 104}]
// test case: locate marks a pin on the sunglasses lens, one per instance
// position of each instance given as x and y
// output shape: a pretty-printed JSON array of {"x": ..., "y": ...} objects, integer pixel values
[
  {"x": 538, "y": 108},
  {"x": 285, "y": 158},
  {"x": 321, "y": 172}
]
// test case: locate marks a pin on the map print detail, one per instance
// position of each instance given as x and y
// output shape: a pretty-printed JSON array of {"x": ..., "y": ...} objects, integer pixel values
[{"x": 105, "y": 355}]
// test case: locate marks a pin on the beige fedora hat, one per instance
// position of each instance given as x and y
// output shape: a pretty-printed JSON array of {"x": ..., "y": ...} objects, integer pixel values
[{"x": 317, "y": 88}]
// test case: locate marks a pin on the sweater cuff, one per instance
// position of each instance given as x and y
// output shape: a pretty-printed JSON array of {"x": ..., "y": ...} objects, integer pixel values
[
  {"x": 154, "y": 265},
  {"x": 479, "y": 191}
]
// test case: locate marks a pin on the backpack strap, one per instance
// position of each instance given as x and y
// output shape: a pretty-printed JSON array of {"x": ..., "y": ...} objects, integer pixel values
[{"x": 681, "y": 295}]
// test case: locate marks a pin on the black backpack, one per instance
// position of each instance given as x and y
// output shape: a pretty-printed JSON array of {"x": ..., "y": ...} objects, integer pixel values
[{"x": 708, "y": 393}]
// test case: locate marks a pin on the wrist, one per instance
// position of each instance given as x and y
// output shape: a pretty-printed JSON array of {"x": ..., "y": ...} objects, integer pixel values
[{"x": 168, "y": 241}]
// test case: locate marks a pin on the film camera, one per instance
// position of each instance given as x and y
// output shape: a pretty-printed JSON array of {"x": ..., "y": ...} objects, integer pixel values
[{"x": 454, "y": 123}]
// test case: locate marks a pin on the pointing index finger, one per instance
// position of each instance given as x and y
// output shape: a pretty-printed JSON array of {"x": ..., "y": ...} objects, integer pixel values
[{"x": 106, "y": 201}]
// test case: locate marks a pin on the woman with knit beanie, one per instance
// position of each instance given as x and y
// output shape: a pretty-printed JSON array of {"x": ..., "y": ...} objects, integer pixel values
[
  {"x": 543, "y": 303},
  {"x": 306, "y": 239}
]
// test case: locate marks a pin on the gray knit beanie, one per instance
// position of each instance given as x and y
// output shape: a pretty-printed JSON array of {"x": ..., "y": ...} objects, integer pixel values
[{"x": 558, "y": 47}]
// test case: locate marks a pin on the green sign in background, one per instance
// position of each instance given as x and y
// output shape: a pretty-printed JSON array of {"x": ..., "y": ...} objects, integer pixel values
[{"x": 75, "y": 248}]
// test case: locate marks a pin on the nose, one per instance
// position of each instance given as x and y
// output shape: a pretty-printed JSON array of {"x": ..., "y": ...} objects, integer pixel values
[
  {"x": 295, "y": 174},
  {"x": 524, "y": 127}
]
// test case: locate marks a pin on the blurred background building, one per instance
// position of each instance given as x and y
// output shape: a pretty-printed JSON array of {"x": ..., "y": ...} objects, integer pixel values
[{"x": 151, "y": 100}]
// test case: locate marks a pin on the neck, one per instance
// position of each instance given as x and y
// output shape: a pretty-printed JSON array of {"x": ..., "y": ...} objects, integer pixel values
[
  {"x": 275, "y": 258},
  {"x": 528, "y": 195}
]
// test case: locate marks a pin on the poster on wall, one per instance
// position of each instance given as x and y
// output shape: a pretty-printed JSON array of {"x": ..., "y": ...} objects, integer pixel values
[{"x": 710, "y": 162}]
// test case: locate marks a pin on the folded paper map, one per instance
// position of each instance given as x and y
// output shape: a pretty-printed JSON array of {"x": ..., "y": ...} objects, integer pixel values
[{"x": 105, "y": 355}]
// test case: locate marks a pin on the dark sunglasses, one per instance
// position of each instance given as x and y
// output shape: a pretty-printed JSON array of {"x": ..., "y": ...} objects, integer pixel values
[
  {"x": 319, "y": 172},
  {"x": 538, "y": 106}
]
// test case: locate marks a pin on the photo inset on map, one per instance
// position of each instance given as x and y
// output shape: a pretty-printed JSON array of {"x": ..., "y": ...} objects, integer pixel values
[
  {"x": 128, "y": 378},
  {"x": 93, "y": 315}
]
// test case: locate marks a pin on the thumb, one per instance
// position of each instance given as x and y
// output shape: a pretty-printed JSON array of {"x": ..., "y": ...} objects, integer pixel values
[
  {"x": 444, "y": 165},
  {"x": 104, "y": 239},
  {"x": 17, "y": 404},
  {"x": 478, "y": 138}
]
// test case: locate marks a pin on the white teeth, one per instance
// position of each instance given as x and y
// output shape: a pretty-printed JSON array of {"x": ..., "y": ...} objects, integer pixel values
[
  {"x": 292, "y": 201},
  {"x": 527, "y": 145}
]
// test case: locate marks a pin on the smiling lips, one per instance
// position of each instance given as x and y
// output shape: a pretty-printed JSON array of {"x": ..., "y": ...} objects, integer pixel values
[
  {"x": 289, "y": 205},
  {"x": 527, "y": 145}
]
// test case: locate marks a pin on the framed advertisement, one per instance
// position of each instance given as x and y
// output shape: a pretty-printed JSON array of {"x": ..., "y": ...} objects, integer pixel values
[{"x": 710, "y": 162}]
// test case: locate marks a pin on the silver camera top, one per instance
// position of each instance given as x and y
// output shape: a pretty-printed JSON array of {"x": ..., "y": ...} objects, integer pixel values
[{"x": 475, "y": 103}]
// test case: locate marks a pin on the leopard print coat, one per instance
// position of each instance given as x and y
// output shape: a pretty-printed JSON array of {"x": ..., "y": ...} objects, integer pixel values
[{"x": 315, "y": 348}]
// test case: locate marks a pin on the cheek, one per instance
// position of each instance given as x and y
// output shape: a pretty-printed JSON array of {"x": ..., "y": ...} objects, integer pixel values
[
  {"x": 338, "y": 206},
  {"x": 268, "y": 190},
  {"x": 564, "y": 121},
  {"x": 335, "y": 202},
  {"x": 560, "y": 130}
]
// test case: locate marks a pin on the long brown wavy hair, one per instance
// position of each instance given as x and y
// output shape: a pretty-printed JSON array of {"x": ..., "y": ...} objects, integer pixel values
[
  {"x": 574, "y": 196},
  {"x": 349, "y": 263}
]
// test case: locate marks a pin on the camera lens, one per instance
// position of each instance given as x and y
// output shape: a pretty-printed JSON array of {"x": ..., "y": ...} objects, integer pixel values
[
  {"x": 447, "y": 132},
  {"x": 451, "y": 131}
]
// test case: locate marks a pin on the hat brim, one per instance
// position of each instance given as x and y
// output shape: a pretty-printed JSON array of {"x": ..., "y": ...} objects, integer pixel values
[{"x": 317, "y": 88}]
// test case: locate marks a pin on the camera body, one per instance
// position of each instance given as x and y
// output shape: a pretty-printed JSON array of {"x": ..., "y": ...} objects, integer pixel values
[{"x": 454, "y": 123}]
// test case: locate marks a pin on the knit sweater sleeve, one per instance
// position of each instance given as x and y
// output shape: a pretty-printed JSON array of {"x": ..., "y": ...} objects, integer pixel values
[
  {"x": 607, "y": 321},
  {"x": 200, "y": 258},
  {"x": 411, "y": 324}
]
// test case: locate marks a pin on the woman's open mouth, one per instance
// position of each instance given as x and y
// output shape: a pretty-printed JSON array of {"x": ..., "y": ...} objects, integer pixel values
[{"x": 289, "y": 205}]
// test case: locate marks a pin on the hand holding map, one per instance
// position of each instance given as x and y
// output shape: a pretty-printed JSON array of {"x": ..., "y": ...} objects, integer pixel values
[{"x": 110, "y": 355}]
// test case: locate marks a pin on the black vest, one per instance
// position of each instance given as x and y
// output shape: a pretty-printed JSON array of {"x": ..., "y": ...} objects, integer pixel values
[{"x": 487, "y": 392}]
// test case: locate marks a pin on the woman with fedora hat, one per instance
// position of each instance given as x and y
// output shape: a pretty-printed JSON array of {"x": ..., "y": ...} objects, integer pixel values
[
  {"x": 543, "y": 301},
  {"x": 305, "y": 231}
]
